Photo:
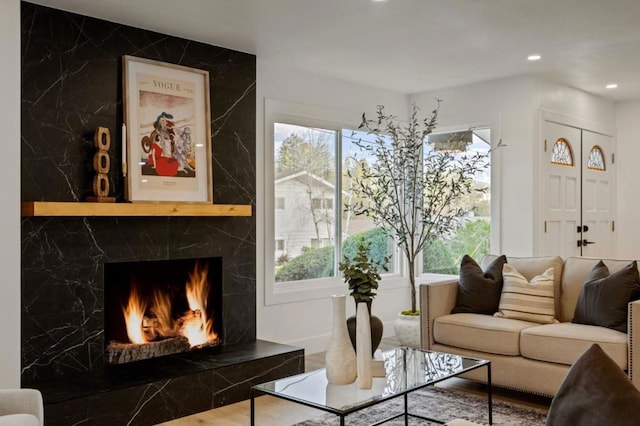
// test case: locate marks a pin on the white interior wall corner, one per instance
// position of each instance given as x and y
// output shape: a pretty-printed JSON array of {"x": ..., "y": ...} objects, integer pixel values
[{"x": 10, "y": 303}]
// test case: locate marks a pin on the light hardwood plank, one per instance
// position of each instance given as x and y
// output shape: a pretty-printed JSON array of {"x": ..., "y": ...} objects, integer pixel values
[
  {"x": 270, "y": 411},
  {"x": 49, "y": 208}
]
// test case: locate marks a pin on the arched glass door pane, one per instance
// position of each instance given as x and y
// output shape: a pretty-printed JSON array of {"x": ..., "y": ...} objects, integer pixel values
[
  {"x": 562, "y": 153},
  {"x": 596, "y": 159}
]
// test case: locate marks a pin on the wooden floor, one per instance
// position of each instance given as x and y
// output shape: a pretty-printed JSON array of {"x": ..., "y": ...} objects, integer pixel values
[{"x": 278, "y": 412}]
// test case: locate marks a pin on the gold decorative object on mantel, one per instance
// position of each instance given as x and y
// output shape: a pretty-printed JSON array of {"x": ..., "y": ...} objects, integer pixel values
[{"x": 101, "y": 164}]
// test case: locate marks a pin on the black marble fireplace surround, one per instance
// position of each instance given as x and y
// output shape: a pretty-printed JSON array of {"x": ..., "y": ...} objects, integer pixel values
[{"x": 71, "y": 83}]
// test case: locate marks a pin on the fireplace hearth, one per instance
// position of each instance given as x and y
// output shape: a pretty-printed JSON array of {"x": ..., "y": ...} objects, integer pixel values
[
  {"x": 157, "y": 308},
  {"x": 65, "y": 327}
]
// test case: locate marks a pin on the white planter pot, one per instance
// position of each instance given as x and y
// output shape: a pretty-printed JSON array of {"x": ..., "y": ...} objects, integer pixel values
[{"x": 407, "y": 328}]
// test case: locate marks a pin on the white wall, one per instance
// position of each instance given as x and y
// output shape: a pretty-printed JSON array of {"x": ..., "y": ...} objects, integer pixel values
[
  {"x": 10, "y": 189},
  {"x": 593, "y": 112},
  {"x": 627, "y": 156},
  {"x": 308, "y": 323}
]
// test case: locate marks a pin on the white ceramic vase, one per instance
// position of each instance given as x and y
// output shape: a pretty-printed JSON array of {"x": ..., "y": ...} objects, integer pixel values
[
  {"x": 363, "y": 346},
  {"x": 340, "y": 358},
  {"x": 407, "y": 329}
]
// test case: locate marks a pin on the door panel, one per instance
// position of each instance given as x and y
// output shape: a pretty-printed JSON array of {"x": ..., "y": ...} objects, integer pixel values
[
  {"x": 597, "y": 194},
  {"x": 560, "y": 194},
  {"x": 577, "y": 196}
]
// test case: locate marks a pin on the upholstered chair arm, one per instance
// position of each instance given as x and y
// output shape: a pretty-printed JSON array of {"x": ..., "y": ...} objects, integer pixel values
[
  {"x": 436, "y": 299},
  {"x": 16, "y": 404},
  {"x": 633, "y": 344}
]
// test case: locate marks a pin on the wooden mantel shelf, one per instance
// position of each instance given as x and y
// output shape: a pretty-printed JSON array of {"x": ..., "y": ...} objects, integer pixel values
[{"x": 48, "y": 208}]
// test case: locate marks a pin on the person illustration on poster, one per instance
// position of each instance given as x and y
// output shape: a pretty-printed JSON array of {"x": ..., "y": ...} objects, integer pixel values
[{"x": 168, "y": 148}]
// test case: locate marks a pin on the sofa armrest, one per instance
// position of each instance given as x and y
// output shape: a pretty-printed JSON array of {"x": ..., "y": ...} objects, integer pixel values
[
  {"x": 436, "y": 299},
  {"x": 22, "y": 401},
  {"x": 633, "y": 343}
]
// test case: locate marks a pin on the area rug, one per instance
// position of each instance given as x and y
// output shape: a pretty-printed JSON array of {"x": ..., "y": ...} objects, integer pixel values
[{"x": 441, "y": 404}]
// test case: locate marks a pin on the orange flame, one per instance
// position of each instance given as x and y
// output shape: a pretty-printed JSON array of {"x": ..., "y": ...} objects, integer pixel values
[
  {"x": 134, "y": 316},
  {"x": 194, "y": 325},
  {"x": 197, "y": 327},
  {"x": 161, "y": 308}
]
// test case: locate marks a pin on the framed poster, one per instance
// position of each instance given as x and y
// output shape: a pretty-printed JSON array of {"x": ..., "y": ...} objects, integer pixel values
[{"x": 167, "y": 140}]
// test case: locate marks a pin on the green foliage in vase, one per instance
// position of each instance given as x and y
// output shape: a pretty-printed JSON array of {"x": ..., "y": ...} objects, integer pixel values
[
  {"x": 414, "y": 192},
  {"x": 362, "y": 274}
]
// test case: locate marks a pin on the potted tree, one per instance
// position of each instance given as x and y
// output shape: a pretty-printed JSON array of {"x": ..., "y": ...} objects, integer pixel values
[
  {"x": 410, "y": 189},
  {"x": 362, "y": 275}
]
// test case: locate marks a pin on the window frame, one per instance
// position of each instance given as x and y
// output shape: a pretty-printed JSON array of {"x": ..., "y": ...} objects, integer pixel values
[{"x": 294, "y": 291}]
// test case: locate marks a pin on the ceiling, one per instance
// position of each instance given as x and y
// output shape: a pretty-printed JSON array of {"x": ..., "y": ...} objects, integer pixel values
[{"x": 409, "y": 46}]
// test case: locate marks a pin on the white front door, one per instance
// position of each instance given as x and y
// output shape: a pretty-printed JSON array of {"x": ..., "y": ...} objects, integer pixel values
[
  {"x": 560, "y": 194},
  {"x": 597, "y": 195},
  {"x": 576, "y": 192}
]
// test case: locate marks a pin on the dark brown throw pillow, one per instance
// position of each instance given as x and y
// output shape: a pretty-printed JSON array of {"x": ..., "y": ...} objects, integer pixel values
[
  {"x": 478, "y": 291},
  {"x": 595, "y": 392},
  {"x": 604, "y": 297}
]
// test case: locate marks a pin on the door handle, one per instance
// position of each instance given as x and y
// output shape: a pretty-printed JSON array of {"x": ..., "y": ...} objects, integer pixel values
[{"x": 586, "y": 243}]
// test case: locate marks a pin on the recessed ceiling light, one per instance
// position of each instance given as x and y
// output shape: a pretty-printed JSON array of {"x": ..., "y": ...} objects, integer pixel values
[
  {"x": 534, "y": 57},
  {"x": 611, "y": 86}
]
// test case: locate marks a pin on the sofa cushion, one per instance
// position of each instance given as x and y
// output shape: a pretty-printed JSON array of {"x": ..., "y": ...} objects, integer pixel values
[
  {"x": 478, "y": 332},
  {"x": 575, "y": 272},
  {"x": 529, "y": 267},
  {"x": 527, "y": 300},
  {"x": 478, "y": 290},
  {"x": 604, "y": 297},
  {"x": 595, "y": 392},
  {"x": 563, "y": 343}
]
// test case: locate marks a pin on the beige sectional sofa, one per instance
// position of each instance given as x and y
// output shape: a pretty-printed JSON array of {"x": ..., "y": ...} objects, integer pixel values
[{"x": 528, "y": 356}]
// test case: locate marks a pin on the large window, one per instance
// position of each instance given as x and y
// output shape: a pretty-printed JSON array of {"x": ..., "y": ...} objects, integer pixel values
[
  {"x": 473, "y": 236},
  {"x": 305, "y": 179},
  {"x": 309, "y": 230},
  {"x": 310, "y": 191}
]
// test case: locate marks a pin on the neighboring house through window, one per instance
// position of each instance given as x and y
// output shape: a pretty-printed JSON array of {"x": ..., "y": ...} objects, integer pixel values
[{"x": 309, "y": 203}]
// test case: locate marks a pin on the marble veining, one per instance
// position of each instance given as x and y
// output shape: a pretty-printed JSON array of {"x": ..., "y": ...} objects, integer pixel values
[
  {"x": 202, "y": 382},
  {"x": 71, "y": 84}
]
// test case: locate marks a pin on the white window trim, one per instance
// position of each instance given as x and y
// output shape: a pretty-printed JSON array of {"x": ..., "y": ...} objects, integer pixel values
[{"x": 288, "y": 292}]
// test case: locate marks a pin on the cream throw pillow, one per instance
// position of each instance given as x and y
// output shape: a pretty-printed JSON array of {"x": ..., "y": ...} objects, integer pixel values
[{"x": 524, "y": 300}]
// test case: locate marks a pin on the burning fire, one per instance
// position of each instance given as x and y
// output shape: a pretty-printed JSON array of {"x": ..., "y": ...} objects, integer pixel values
[
  {"x": 196, "y": 327},
  {"x": 134, "y": 316},
  {"x": 160, "y": 324}
]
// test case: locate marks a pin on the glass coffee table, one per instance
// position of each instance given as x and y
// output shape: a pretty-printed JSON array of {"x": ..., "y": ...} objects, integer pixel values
[{"x": 406, "y": 369}]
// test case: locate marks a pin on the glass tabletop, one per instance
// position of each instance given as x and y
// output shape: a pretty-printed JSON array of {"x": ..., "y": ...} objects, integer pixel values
[{"x": 406, "y": 369}]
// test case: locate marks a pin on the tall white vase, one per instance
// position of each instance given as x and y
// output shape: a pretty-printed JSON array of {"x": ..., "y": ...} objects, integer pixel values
[
  {"x": 363, "y": 346},
  {"x": 340, "y": 358}
]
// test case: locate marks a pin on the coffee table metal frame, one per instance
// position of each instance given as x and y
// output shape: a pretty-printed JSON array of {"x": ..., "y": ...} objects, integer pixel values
[{"x": 342, "y": 413}]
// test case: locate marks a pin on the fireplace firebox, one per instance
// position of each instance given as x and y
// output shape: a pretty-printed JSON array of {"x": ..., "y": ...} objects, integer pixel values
[{"x": 157, "y": 308}]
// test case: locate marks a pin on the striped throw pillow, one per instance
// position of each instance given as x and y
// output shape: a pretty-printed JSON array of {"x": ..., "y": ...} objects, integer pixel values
[{"x": 524, "y": 300}]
